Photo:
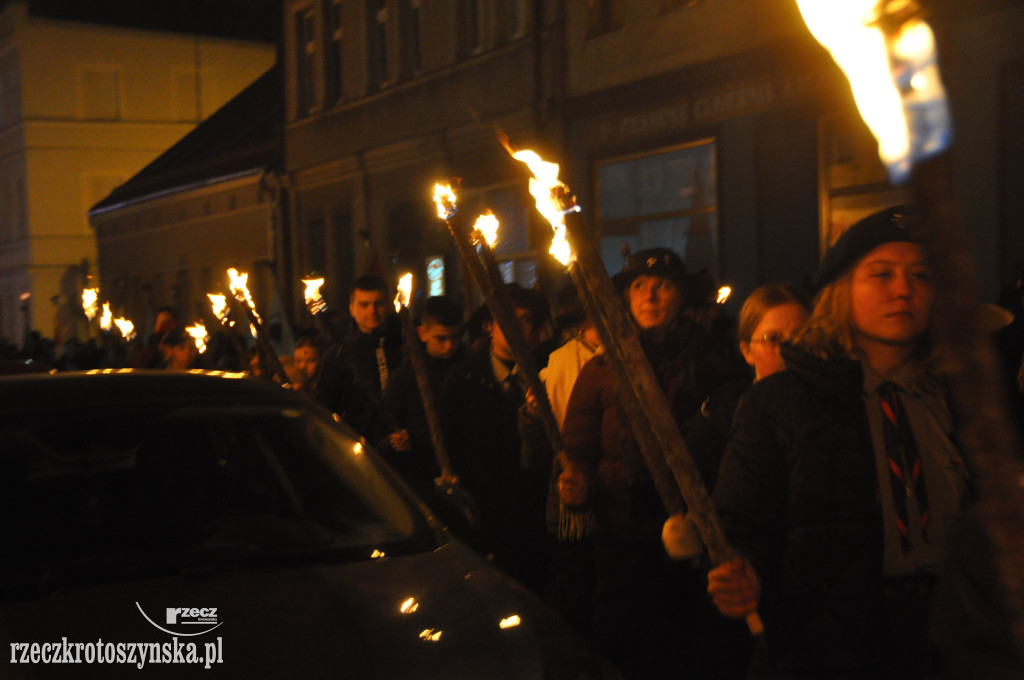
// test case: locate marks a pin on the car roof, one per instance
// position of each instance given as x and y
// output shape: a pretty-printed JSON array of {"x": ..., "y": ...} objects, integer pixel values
[{"x": 137, "y": 388}]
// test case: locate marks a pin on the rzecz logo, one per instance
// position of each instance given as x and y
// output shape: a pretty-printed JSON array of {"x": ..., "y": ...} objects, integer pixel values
[{"x": 190, "y": 617}]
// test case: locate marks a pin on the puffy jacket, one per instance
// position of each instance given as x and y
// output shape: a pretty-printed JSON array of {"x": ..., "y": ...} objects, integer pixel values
[{"x": 797, "y": 492}]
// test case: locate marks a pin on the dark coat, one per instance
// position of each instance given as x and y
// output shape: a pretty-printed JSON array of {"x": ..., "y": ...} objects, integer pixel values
[
  {"x": 402, "y": 398},
  {"x": 481, "y": 426},
  {"x": 349, "y": 383},
  {"x": 797, "y": 493},
  {"x": 652, "y": 616},
  {"x": 702, "y": 380}
]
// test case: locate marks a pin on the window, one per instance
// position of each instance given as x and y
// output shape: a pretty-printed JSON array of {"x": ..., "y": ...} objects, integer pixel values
[
  {"x": 603, "y": 16},
  {"x": 100, "y": 93},
  {"x": 333, "y": 74},
  {"x": 377, "y": 35},
  {"x": 515, "y": 249},
  {"x": 664, "y": 199},
  {"x": 471, "y": 18},
  {"x": 412, "y": 31},
  {"x": 305, "y": 61},
  {"x": 513, "y": 22},
  {"x": 316, "y": 246}
]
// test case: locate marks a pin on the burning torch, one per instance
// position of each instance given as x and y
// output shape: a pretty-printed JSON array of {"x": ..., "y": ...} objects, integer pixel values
[
  {"x": 888, "y": 53},
  {"x": 653, "y": 425},
  {"x": 479, "y": 258},
  {"x": 446, "y": 483},
  {"x": 240, "y": 290}
]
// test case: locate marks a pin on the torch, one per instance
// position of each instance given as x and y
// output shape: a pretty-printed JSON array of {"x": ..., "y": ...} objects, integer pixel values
[
  {"x": 640, "y": 394},
  {"x": 317, "y": 306},
  {"x": 446, "y": 483},
  {"x": 315, "y": 302},
  {"x": 888, "y": 54},
  {"x": 240, "y": 290},
  {"x": 126, "y": 327},
  {"x": 479, "y": 258},
  {"x": 199, "y": 335}
]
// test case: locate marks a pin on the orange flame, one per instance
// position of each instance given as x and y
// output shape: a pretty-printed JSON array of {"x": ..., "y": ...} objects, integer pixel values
[
  {"x": 199, "y": 335},
  {"x": 547, "y": 190},
  {"x": 219, "y": 304},
  {"x": 126, "y": 327},
  {"x": 239, "y": 288},
  {"x": 487, "y": 228},
  {"x": 723, "y": 294},
  {"x": 404, "y": 293},
  {"x": 106, "y": 318},
  {"x": 314, "y": 301},
  {"x": 444, "y": 197},
  {"x": 90, "y": 297},
  {"x": 895, "y": 78}
]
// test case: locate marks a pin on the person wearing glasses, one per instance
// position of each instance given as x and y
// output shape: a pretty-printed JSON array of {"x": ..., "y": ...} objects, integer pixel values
[{"x": 769, "y": 317}]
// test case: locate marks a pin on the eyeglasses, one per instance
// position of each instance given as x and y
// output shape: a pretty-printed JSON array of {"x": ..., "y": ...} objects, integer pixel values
[{"x": 772, "y": 339}]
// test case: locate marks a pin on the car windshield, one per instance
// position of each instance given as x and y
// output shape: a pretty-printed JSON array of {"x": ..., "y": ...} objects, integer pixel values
[{"x": 98, "y": 496}]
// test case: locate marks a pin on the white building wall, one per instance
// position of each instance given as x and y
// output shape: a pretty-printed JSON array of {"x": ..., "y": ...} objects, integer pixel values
[{"x": 83, "y": 108}]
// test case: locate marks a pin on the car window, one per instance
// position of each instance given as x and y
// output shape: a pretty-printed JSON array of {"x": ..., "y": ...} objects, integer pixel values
[{"x": 145, "y": 492}]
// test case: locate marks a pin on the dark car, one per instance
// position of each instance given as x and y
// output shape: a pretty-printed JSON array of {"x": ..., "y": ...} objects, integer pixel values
[{"x": 167, "y": 520}]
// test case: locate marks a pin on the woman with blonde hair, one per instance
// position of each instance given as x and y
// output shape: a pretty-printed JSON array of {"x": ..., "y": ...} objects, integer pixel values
[
  {"x": 841, "y": 477},
  {"x": 769, "y": 317}
]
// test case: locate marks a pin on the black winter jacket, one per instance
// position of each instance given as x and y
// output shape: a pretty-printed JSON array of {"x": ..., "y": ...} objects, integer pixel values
[{"x": 797, "y": 492}]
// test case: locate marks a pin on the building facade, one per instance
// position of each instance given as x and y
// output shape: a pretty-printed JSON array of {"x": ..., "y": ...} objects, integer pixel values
[
  {"x": 82, "y": 108},
  {"x": 723, "y": 130},
  {"x": 385, "y": 98}
]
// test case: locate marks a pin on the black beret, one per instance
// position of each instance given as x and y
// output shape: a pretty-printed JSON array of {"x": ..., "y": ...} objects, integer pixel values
[{"x": 896, "y": 224}]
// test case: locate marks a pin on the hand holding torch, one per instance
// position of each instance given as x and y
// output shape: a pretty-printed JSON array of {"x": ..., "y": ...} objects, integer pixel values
[
  {"x": 447, "y": 483},
  {"x": 640, "y": 393}
]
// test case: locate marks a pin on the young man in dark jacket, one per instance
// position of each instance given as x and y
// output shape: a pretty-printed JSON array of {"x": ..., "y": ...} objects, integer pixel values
[
  {"x": 502, "y": 458},
  {"x": 353, "y": 375},
  {"x": 411, "y": 449}
]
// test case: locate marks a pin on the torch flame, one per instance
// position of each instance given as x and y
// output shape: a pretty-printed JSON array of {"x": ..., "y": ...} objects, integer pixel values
[
  {"x": 312, "y": 289},
  {"x": 314, "y": 301},
  {"x": 487, "y": 227},
  {"x": 219, "y": 304},
  {"x": 404, "y": 292},
  {"x": 723, "y": 294},
  {"x": 106, "y": 317},
  {"x": 895, "y": 81},
  {"x": 240, "y": 290},
  {"x": 547, "y": 191},
  {"x": 126, "y": 327},
  {"x": 199, "y": 335},
  {"x": 89, "y": 300},
  {"x": 445, "y": 199}
]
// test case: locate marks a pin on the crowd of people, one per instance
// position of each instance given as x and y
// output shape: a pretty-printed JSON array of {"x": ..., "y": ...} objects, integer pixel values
[{"x": 819, "y": 421}]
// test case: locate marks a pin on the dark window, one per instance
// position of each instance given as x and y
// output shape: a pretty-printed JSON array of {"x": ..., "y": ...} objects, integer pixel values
[
  {"x": 377, "y": 33},
  {"x": 305, "y": 60},
  {"x": 668, "y": 198},
  {"x": 316, "y": 246},
  {"x": 603, "y": 16},
  {"x": 333, "y": 59},
  {"x": 470, "y": 35}
]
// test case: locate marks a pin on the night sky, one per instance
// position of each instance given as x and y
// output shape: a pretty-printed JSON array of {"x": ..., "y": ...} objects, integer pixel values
[{"x": 247, "y": 19}]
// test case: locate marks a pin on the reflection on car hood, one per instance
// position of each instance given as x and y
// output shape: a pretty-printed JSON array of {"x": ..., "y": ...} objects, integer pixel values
[{"x": 432, "y": 615}]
